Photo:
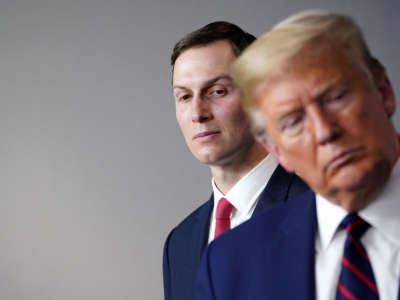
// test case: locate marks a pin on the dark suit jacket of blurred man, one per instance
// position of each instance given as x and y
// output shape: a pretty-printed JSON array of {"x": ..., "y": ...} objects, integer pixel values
[{"x": 279, "y": 247}]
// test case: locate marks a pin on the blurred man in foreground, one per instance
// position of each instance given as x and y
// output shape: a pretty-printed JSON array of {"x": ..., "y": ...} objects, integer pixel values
[
  {"x": 245, "y": 179},
  {"x": 324, "y": 105}
]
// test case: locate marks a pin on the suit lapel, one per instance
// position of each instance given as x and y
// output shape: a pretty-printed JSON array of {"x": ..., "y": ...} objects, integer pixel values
[
  {"x": 276, "y": 190},
  {"x": 201, "y": 230},
  {"x": 296, "y": 250}
]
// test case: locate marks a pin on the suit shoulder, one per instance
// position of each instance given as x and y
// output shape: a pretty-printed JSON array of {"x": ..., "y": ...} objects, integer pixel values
[
  {"x": 186, "y": 226},
  {"x": 201, "y": 212}
]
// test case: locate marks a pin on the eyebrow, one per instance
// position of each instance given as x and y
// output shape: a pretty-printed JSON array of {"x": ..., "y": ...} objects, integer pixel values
[
  {"x": 328, "y": 87},
  {"x": 320, "y": 94},
  {"x": 209, "y": 82}
]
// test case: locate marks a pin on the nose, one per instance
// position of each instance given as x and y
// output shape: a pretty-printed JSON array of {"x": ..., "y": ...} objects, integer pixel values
[
  {"x": 326, "y": 129},
  {"x": 201, "y": 110}
]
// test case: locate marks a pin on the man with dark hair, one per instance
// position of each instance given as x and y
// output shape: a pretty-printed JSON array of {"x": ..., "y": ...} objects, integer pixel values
[{"x": 245, "y": 179}]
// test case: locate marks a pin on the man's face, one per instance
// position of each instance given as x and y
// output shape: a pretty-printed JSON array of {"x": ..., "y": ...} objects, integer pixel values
[
  {"x": 330, "y": 123},
  {"x": 208, "y": 107}
]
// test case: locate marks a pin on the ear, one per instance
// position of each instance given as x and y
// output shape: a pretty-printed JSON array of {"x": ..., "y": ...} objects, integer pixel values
[
  {"x": 272, "y": 148},
  {"x": 385, "y": 88},
  {"x": 262, "y": 136}
]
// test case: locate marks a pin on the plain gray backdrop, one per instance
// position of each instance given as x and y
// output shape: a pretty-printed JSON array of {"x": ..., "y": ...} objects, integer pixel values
[{"x": 93, "y": 169}]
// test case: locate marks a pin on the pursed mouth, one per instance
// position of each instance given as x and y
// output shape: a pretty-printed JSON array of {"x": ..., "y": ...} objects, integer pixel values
[{"x": 343, "y": 158}]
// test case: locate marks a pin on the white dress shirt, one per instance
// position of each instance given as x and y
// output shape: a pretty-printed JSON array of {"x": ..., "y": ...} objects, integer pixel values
[
  {"x": 244, "y": 194},
  {"x": 381, "y": 241}
]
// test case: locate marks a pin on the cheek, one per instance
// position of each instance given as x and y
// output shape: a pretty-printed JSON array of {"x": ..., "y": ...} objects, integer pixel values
[
  {"x": 299, "y": 158},
  {"x": 234, "y": 111},
  {"x": 363, "y": 124},
  {"x": 184, "y": 125},
  {"x": 234, "y": 117},
  {"x": 299, "y": 154}
]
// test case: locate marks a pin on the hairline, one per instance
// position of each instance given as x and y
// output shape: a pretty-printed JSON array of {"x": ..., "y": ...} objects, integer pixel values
[{"x": 201, "y": 46}]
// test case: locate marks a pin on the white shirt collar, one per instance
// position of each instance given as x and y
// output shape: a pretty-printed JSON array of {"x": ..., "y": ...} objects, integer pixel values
[
  {"x": 383, "y": 213},
  {"x": 244, "y": 193}
]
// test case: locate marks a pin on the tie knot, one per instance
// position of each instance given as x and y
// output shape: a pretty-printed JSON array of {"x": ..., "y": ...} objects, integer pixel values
[
  {"x": 224, "y": 209},
  {"x": 354, "y": 225}
]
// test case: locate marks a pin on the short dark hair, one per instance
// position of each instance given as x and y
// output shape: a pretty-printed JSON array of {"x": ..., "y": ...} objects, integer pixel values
[{"x": 221, "y": 30}]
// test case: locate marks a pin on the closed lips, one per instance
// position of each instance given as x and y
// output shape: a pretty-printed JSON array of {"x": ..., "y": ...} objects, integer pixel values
[
  {"x": 205, "y": 133},
  {"x": 343, "y": 158}
]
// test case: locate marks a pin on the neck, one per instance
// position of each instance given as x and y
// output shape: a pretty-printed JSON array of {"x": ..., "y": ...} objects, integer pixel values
[{"x": 227, "y": 175}]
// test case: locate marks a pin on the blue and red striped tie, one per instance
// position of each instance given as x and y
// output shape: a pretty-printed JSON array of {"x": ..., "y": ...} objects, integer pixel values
[{"x": 356, "y": 280}]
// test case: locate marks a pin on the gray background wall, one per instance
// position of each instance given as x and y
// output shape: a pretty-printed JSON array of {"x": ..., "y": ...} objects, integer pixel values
[{"x": 93, "y": 169}]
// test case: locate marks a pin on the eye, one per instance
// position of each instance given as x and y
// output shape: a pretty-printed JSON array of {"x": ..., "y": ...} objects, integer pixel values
[
  {"x": 292, "y": 124},
  {"x": 336, "y": 99},
  {"x": 220, "y": 92},
  {"x": 216, "y": 92},
  {"x": 182, "y": 97}
]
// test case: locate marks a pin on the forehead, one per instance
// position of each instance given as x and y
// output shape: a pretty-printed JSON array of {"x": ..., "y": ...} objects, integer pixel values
[
  {"x": 306, "y": 76},
  {"x": 199, "y": 64}
]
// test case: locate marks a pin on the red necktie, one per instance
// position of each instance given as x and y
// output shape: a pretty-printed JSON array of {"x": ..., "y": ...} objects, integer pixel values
[
  {"x": 356, "y": 279},
  {"x": 223, "y": 217}
]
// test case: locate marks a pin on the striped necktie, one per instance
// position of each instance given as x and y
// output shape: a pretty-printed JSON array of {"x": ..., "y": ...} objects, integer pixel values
[{"x": 356, "y": 280}]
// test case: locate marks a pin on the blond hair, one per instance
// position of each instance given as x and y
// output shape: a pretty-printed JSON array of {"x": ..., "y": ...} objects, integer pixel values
[{"x": 268, "y": 55}]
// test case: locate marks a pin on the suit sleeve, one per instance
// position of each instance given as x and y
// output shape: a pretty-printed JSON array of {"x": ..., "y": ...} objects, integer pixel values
[
  {"x": 167, "y": 270},
  {"x": 204, "y": 286}
]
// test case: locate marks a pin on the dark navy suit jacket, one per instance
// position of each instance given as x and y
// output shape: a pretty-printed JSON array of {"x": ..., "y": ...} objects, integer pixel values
[
  {"x": 268, "y": 257},
  {"x": 271, "y": 256},
  {"x": 185, "y": 244}
]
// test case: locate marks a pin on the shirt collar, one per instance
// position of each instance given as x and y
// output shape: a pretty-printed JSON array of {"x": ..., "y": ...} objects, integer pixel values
[
  {"x": 329, "y": 216},
  {"x": 244, "y": 193},
  {"x": 383, "y": 213}
]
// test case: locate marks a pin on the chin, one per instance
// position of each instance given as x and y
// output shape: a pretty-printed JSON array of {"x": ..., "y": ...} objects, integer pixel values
[
  {"x": 208, "y": 158},
  {"x": 217, "y": 160},
  {"x": 350, "y": 180},
  {"x": 355, "y": 186}
]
